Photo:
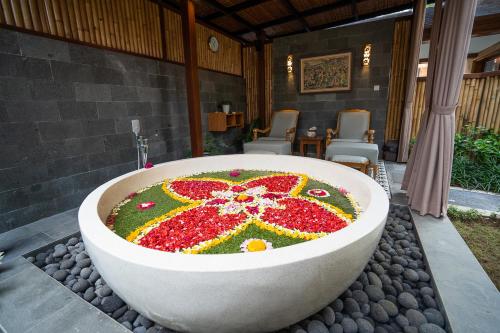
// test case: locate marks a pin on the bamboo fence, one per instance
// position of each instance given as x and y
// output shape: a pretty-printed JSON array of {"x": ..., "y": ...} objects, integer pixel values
[
  {"x": 132, "y": 26},
  {"x": 250, "y": 76},
  {"x": 268, "y": 77},
  {"x": 400, "y": 48},
  {"x": 478, "y": 103}
]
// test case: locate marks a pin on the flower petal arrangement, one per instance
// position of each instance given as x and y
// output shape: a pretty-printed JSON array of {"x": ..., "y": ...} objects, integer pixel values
[{"x": 232, "y": 211}]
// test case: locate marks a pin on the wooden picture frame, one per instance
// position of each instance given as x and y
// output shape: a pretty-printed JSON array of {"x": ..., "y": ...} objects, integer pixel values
[{"x": 328, "y": 73}]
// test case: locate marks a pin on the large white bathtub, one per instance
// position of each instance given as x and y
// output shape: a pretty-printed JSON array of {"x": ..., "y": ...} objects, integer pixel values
[{"x": 247, "y": 292}]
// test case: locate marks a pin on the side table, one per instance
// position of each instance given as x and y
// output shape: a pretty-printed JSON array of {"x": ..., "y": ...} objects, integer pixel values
[{"x": 317, "y": 141}]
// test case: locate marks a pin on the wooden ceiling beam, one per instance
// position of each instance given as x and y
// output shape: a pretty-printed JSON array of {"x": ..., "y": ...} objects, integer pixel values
[
  {"x": 353, "y": 19},
  {"x": 235, "y": 9},
  {"x": 483, "y": 26},
  {"x": 172, "y": 5},
  {"x": 354, "y": 9},
  {"x": 299, "y": 17},
  {"x": 224, "y": 9},
  {"x": 292, "y": 17}
]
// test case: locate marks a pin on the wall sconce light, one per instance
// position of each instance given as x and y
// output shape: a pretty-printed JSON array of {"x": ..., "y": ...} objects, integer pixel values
[
  {"x": 289, "y": 64},
  {"x": 366, "y": 54}
]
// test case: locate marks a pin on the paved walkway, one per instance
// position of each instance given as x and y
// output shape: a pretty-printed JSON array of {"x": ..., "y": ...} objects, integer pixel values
[
  {"x": 31, "y": 301},
  {"x": 457, "y": 196}
]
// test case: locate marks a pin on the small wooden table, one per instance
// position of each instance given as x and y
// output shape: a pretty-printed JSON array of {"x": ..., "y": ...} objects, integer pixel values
[{"x": 317, "y": 141}]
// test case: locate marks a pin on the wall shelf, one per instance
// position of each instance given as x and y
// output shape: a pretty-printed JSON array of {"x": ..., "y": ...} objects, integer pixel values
[{"x": 220, "y": 121}]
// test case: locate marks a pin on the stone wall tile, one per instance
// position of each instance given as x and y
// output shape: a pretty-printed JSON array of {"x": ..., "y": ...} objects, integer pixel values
[
  {"x": 70, "y": 110},
  {"x": 65, "y": 119},
  {"x": 60, "y": 130},
  {"x": 123, "y": 93},
  {"x": 111, "y": 110},
  {"x": 86, "y": 92},
  {"x": 9, "y": 43},
  {"x": 19, "y": 111},
  {"x": 45, "y": 90},
  {"x": 42, "y": 48}
]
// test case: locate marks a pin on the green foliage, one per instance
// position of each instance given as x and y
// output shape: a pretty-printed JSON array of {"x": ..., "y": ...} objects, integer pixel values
[
  {"x": 463, "y": 215},
  {"x": 476, "y": 161},
  {"x": 212, "y": 146},
  {"x": 248, "y": 132}
]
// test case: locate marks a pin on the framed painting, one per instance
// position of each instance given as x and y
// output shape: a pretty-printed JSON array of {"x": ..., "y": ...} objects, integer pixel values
[{"x": 328, "y": 73}]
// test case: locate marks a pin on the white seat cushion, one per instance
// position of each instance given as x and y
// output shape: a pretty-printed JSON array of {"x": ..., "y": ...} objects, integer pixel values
[
  {"x": 368, "y": 150},
  {"x": 348, "y": 140},
  {"x": 278, "y": 147},
  {"x": 349, "y": 159}
]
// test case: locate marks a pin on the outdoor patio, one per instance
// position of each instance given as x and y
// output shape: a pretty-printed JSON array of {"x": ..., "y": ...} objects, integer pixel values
[{"x": 93, "y": 90}]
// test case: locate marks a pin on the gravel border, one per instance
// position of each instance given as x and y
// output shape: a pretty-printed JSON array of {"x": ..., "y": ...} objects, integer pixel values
[{"x": 393, "y": 294}]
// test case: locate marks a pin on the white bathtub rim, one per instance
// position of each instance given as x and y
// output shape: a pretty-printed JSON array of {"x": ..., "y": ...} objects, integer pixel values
[{"x": 94, "y": 230}]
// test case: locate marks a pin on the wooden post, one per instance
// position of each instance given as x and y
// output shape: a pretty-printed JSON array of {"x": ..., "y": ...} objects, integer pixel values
[
  {"x": 192, "y": 81},
  {"x": 261, "y": 80}
]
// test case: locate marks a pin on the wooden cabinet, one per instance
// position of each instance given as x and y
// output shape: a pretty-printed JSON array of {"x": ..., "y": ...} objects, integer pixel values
[{"x": 220, "y": 121}]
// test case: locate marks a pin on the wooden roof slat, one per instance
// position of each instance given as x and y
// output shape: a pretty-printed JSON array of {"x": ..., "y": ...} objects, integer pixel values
[
  {"x": 352, "y": 19},
  {"x": 174, "y": 5},
  {"x": 235, "y": 9},
  {"x": 292, "y": 17},
  {"x": 297, "y": 15},
  {"x": 224, "y": 9},
  {"x": 354, "y": 9}
]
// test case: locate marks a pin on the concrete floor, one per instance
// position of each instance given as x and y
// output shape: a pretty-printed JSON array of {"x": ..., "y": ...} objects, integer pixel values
[
  {"x": 457, "y": 196},
  {"x": 31, "y": 301}
]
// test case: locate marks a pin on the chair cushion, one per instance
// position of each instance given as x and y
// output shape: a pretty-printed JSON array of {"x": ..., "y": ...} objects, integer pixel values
[
  {"x": 279, "y": 147},
  {"x": 350, "y": 159},
  {"x": 348, "y": 140},
  {"x": 368, "y": 150},
  {"x": 353, "y": 125},
  {"x": 283, "y": 120}
]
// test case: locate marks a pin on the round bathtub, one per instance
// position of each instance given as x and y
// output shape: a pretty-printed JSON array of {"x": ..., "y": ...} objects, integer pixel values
[{"x": 247, "y": 292}]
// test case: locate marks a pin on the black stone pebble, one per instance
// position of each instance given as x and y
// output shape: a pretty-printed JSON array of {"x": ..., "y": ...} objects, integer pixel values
[{"x": 392, "y": 294}]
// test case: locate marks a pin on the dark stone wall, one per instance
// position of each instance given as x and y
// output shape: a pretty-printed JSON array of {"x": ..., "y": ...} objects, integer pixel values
[
  {"x": 65, "y": 113},
  {"x": 321, "y": 109}
]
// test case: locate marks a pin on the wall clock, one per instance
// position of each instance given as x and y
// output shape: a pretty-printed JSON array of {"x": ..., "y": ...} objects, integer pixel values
[{"x": 213, "y": 43}]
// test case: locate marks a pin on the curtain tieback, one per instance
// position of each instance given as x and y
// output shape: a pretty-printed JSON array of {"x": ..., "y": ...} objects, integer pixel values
[{"x": 443, "y": 109}]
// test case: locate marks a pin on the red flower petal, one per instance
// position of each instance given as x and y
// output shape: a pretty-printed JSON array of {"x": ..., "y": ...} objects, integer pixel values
[
  {"x": 272, "y": 196},
  {"x": 197, "y": 189},
  {"x": 218, "y": 201},
  {"x": 252, "y": 210},
  {"x": 283, "y": 184},
  {"x": 190, "y": 228},
  {"x": 238, "y": 188},
  {"x": 303, "y": 215},
  {"x": 234, "y": 173}
]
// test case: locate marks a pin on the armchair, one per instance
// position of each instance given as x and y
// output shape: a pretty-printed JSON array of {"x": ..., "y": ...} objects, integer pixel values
[
  {"x": 353, "y": 125},
  {"x": 352, "y": 138},
  {"x": 276, "y": 139}
]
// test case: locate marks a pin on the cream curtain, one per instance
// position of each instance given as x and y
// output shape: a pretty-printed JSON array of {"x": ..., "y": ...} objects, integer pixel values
[
  {"x": 417, "y": 29},
  {"x": 428, "y": 172}
]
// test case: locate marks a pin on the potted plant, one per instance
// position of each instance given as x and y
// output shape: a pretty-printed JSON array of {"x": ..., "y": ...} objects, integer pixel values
[{"x": 226, "y": 106}]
